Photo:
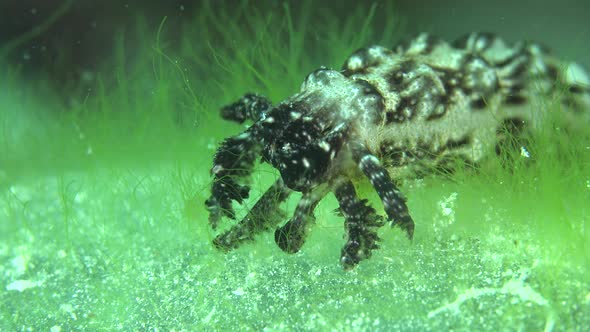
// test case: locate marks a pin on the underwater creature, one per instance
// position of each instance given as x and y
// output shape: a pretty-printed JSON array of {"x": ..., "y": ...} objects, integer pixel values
[{"x": 388, "y": 113}]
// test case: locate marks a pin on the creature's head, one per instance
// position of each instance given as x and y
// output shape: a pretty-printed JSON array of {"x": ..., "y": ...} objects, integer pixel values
[
  {"x": 300, "y": 146},
  {"x": 303, "y": 135}
]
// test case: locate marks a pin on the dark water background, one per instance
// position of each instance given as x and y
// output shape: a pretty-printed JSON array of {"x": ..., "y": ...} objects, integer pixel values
[{"x": 80, "y": 40}]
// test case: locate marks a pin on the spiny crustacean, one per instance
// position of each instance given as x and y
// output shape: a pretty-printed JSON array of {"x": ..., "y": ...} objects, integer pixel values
[{"x": 387, "y": 111}]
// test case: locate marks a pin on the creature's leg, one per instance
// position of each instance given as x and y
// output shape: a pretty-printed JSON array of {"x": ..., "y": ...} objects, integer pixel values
[
  {"x": 249, "y": 107},
  {"x": 291, "y": 236},
  {"x": 360, "y": 223},
  {"x": 264, "y": 215},
  {"x": 393, "y": 202},
  {"x": 235, "y": 158}
]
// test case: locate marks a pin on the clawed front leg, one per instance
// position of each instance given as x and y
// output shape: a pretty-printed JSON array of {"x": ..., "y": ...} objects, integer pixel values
[
  {"x": 393, "y": 202},
  {"x": 264, "y": 215},
  {"x": 235, "y": 158},
  {"x": 360, "y": 223}
]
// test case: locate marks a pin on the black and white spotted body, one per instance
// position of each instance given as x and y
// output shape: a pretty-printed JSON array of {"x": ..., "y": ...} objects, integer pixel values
[{"x": 386, "y": 114}]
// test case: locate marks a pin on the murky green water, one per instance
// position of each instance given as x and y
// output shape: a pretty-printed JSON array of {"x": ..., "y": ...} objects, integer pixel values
[{"x": 103, "y": 225}]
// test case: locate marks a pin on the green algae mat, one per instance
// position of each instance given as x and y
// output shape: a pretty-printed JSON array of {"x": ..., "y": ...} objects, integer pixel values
[
  {"x": 113, "y": 249},
  {"x": 103, "y": 225}
]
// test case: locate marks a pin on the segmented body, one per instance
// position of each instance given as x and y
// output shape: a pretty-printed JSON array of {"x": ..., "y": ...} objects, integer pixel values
[{"x": 387, "y": 113}]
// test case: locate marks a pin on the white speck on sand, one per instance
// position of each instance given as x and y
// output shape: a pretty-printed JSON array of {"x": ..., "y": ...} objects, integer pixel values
[
  {"x": 515, "y": 287},
  {"x": 21, "y": 285},
  {"x": 447, "y": 207},
  {"x": 80, "y": 197},
  {"x": 207, "y": 318},
  {"x": 61, "y": 253},
  {"x": 69, "y": 309},
  {"x": 239, "y": 291},
  {"x": 19, "y": 263},
  {"x": 524, "y": 152}
]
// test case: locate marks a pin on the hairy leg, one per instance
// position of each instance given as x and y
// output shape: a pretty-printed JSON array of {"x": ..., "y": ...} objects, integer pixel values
[
  {"x": 393, "y": 202},
  {"x": 360, "y": 223},
  {"x": 291, "y": 236},
  {"x": 264, "y": 215}
]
